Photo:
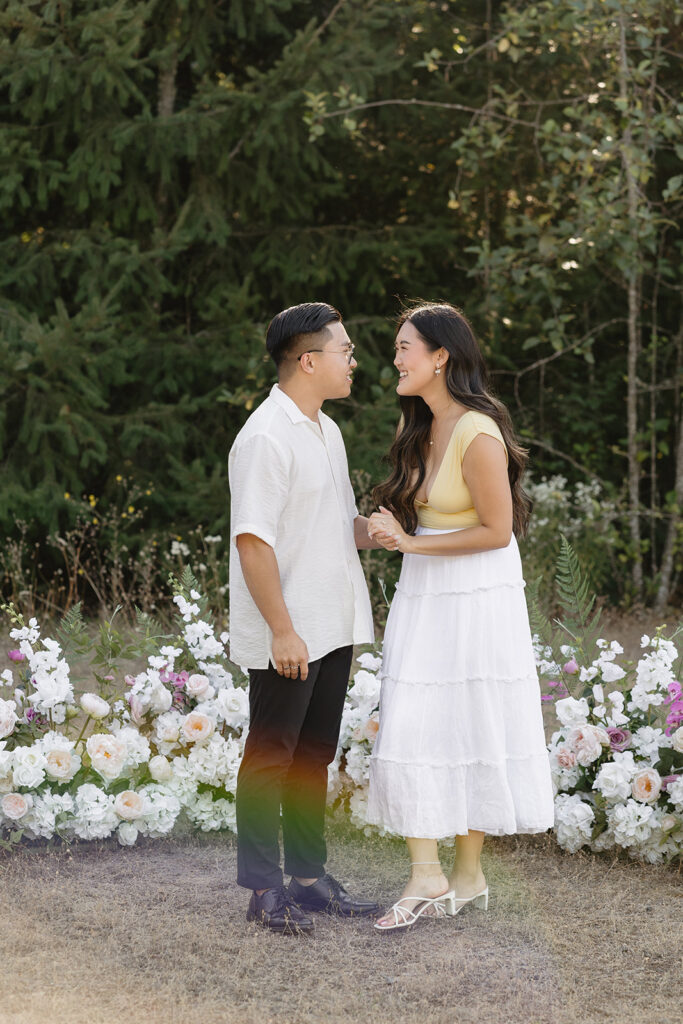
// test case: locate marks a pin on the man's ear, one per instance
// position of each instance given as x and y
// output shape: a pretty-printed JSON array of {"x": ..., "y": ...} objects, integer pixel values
[{"x": 306, "y": 363}]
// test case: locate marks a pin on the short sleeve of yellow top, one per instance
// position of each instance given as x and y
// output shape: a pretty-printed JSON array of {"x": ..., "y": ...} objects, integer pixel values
[{"x": 449, "y": 504}]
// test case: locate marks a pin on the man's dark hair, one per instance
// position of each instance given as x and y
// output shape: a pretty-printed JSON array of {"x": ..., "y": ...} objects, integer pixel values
[{"x": 285, "y": 330}]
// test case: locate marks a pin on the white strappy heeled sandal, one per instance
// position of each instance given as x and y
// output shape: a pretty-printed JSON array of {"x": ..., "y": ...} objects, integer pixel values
[
  {"x": 405, "y": 917},
  {"x": 481, "y": 901}
]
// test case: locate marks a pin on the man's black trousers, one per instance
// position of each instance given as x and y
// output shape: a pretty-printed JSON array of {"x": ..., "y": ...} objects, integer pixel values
[{"x": 293, "y": 733}]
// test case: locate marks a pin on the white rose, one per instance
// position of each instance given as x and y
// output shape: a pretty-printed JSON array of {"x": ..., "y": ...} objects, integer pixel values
[
  {"x": 613, "y": 780},
  {"x": 28, "y": 768},
  {"x": 160, "y": 768},
  {"x": 16, "y": 805},
  {"x": 129, "y": 805},
  {"x": 646, "y": 785},
  {"x": 8, "y": 718},
  {"x": 127, "y": 833},
  {"x": 197, "y": 727},
  {"x": 232, "y": 704},
  {"x": 160, "y": 699},
  {"x": 677, "y": 740},
  {"x": 62, "y": 764},
  {"x": 107, "y": 754},
  {"x": 94, "y": 705},
  {"x": 197, "y": 685},
  {"x": 571, "y": 711}
]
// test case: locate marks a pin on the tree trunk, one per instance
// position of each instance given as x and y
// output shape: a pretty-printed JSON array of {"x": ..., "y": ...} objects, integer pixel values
[
  {"x": 633, "y": 290},
  {"x": 663, "y": 591}
]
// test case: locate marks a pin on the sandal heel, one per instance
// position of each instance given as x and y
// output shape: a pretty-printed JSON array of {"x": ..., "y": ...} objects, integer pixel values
[
  {"x": 448, "y": 903},
  {"x": 482, "y": 901},
  {"x": 455, "y": 905}
]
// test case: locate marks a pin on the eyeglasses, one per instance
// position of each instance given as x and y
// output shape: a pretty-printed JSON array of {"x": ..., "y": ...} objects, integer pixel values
[{"x": 348, "y": 352}]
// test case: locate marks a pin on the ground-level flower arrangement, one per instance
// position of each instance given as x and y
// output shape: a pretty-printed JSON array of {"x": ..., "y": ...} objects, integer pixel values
[
  {"x": 93, "y": 764},
  {"x": 617, "y": 755}
]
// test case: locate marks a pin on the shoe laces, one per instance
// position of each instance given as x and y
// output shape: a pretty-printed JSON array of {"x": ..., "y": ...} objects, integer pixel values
[
  {"x": 282, "y": 899},
  {"x": 336, "y": 887}
]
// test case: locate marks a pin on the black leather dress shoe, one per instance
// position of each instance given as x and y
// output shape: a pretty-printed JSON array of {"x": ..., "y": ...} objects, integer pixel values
[
  {"x": 275, "y": 909},
  {"x": 330, "y": 897}
]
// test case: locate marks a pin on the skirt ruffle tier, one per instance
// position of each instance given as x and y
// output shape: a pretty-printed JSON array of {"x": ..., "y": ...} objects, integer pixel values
[{"x": 461, "y": 743}]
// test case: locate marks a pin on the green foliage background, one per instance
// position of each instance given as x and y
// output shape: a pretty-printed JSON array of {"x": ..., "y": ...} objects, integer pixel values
[{"x": 174, "y": 173}]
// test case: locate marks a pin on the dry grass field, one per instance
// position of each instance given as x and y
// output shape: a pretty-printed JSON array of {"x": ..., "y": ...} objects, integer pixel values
[{"x": 156, "y": 934}]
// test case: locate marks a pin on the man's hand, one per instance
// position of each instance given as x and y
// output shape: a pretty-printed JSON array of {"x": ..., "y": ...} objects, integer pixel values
[
  {"x": 387, "y": 531},
  {"x": 290, "y": 655}
]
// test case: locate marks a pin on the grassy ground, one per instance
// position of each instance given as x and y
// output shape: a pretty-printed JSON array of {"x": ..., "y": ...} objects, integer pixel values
[{"x": 156, "y": 934}]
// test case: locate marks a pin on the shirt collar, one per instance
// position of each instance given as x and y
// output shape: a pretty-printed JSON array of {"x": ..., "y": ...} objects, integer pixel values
[{"x": 290, "y": 407}]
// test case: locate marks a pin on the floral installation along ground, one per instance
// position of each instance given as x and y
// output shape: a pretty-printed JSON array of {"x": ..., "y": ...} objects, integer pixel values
[{"x": 168, "y": 751}]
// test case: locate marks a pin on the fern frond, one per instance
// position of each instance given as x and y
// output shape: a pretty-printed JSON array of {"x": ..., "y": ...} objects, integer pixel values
[
  {"x": 574, "y": 592},
  {"x": 72, "y": 631},
  {"x": 188, "y": 580}
]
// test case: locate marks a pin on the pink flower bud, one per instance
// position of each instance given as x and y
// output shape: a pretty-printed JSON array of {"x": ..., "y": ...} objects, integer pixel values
[
  {"x": 16, "y": 656},
  {"x": 571, "y": 667}
]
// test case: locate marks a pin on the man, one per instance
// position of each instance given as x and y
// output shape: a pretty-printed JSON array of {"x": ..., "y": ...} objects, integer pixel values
[{"x": 298, "y": 603}]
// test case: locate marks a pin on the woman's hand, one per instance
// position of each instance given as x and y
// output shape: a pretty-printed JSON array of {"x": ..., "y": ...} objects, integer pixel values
[{"x": 385, "y": 528}]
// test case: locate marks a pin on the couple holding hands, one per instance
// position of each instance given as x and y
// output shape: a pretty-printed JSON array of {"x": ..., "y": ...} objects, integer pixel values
[{"x": 460, "y": 749}]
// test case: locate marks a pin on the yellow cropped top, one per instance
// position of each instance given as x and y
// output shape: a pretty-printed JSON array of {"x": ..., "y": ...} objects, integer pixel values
[{"x": 449, "y": 504}]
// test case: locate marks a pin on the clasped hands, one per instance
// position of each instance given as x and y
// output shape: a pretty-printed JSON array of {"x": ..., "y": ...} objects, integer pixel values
[{"x": 387, "y": 531}]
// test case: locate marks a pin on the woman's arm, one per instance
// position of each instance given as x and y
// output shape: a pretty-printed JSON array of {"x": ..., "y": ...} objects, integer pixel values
[{"x": 484, "y": 469}]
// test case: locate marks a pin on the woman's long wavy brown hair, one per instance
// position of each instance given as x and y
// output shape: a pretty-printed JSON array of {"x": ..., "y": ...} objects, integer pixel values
[{"x": 441, "y": 325}]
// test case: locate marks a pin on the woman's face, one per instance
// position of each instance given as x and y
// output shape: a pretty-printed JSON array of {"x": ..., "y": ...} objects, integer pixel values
[{"x": 415, "y": 362}]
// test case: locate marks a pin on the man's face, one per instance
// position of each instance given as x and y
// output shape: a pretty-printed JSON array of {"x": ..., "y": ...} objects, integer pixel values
[{"x": 334, "y": 366}]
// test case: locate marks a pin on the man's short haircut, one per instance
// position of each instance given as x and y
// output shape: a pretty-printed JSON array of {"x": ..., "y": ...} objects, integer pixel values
[{"x": 285, "y": 330}]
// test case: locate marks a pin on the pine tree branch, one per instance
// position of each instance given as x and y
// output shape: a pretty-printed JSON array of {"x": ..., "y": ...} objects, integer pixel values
[{"x": 414, "y": 102}]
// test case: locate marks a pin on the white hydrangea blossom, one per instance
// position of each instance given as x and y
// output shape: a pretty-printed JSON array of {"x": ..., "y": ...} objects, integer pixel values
[
  {"x": 573, "y": 821},
  {"x": 94, "y": 814},
  {"x": 631, "y": 822}
]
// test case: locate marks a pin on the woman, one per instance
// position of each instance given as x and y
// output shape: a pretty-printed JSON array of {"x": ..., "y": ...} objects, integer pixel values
[{"x": 460, "y": 749}]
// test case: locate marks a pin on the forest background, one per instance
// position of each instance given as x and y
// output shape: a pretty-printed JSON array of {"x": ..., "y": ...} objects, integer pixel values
[{"x": 174, "y": 173}]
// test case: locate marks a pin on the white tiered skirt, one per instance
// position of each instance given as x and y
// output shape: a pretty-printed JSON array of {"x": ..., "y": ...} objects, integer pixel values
[{"x": 460, "y": 743}]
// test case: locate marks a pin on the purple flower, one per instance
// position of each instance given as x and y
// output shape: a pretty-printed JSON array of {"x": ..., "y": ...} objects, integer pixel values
[
  {"x": 619, "y": 739},
  {"x": 673, "y": 688},
  {"x": 547, "y": 697},
  {"x": 667, "y": 780},
  {"x": 30, "y": 714},
  {"x": 16, "y": 656},
  {"x": 571, "y": 667},
  {"x": 675, "y": 713}
]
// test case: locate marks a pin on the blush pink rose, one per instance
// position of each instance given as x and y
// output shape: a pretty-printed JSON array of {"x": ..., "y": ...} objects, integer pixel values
[
  {"x": 129, "y": 805},
  {"x": 566, "y": 758},
  {"x": 16, "y": 805},
  {"x": 646, "y": 785},
  {"x": 197, "y": 727},
  {"x": 587, "y": 742}
]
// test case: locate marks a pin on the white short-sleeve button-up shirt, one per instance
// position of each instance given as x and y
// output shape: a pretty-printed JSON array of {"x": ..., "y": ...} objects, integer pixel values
[{"x": 289, "y": 485}]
